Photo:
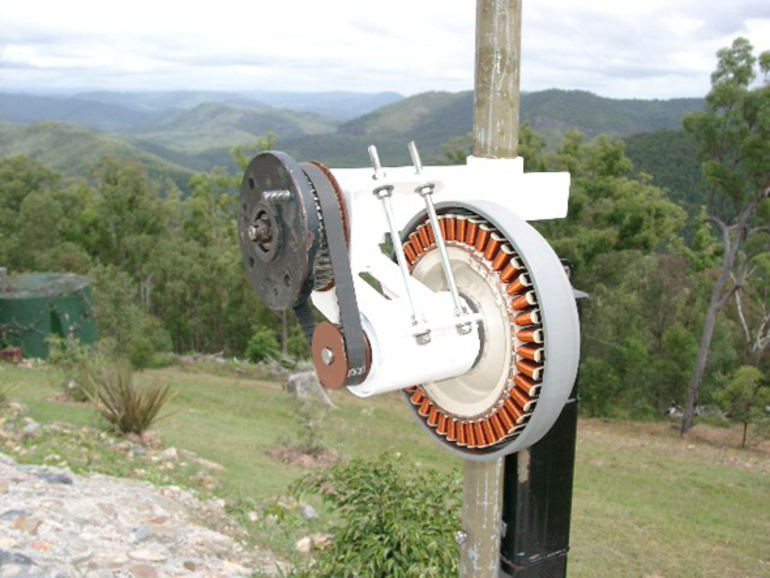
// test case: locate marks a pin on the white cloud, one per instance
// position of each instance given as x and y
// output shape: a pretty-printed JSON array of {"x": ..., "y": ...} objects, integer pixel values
[{"x": 653, "y": 49}]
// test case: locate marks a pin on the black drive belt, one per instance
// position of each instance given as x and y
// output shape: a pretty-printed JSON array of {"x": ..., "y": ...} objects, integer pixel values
[{"x": 350, "y": 318}]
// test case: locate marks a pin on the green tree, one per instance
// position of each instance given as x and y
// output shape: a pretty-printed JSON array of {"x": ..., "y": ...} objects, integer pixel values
[
  {"x": 733, "y": 135},
  {"x": 745, "y": 398}
]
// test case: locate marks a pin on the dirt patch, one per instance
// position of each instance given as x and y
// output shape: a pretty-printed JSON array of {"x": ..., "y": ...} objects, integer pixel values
[{"x": 294, "y": 456}]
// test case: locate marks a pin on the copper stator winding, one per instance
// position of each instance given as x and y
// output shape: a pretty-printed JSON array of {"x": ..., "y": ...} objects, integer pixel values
[{"x": 509, "y": 417}]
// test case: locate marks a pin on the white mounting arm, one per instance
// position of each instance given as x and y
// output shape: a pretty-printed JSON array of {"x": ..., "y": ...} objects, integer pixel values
[{"x": 399, "y": 360}]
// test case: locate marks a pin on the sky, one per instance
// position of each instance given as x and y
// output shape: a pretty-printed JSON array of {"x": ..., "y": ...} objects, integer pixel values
[{"x": 619, "y": 49}]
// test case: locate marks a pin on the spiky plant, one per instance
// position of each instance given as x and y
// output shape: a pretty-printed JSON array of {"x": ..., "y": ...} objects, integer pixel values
[{"x": 127, "y": 408}]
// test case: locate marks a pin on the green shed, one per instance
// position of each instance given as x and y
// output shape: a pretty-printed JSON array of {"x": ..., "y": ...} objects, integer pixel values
[{"x": 35, "y": 306}]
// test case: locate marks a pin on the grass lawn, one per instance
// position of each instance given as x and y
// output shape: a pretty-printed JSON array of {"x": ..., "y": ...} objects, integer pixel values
[{"x": 646, "y": 503}]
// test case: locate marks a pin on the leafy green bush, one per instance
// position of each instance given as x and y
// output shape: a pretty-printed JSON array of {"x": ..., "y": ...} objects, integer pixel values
[
  {"x": 745, "y": 398},
  {"x": 127, "y": 408},
  {"x": 79, "y": 365},
  {"x": 263, "y": 345},
  {"x": 396, "y": 520}
]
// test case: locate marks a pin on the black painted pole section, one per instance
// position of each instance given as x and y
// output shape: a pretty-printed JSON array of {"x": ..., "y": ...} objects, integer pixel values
[{"x": 537, "y": 500}]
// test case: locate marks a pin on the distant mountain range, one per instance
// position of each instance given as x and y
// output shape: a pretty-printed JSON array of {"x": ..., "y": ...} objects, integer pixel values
[{"x": 178, "y": 133}]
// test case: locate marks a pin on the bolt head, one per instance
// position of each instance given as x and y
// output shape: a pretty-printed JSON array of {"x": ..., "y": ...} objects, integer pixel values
[
  {"x": 327, "y": 356},
  {"x": 461, "y": 537}
]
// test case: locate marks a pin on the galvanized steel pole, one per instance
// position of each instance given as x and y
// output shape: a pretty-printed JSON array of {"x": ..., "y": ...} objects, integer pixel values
[{"x": 495, "y": 135}]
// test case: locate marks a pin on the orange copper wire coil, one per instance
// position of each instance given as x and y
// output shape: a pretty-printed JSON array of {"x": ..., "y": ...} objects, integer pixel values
[
  {"x": 501, "y": 259},
  {"x": 513, "y": 267},
  {"x": 433, "y": 416},
  {"x": 461, "y": 225},
  {"x": 461, "y": 435},
  {"x": 485, "y": 231},
  {"x": 530, "y": 335},
  {"x": 531, "y": 371},
  {"x": 422, "y": 230},
  {"x": 441, "y": 429},
  {"x": 519, "y": 285},
  {"x": 451, "y": 430},
  {"x": 525, "y": 301},
  {"x": 425, "y": 407},
  {"x": 526, "y": 385},
  {"x": 520, "y": 400},
  {"x": 472, "y": 233},
  {"x": 470, "y": 435},
  {"x": 514, "y": 411},
  {"x": 481, "y": 435},
  {"x": 528, "y": 318},
  {"x": 416, "y": 241},
  {"x": 411, "y": 254},
  {"x": 494, "y": 243},
  {"x": 418, "y": 396},
  {"x": 533, "y": 353},
  {"x": 442, "y": 226},
  {"x": 489, "y": 433},
  {"x": 449, "y": 228},
  {"x": 431, "y": 233},
  {"x": 507, "y": 419},
  {"x": 497, "y": 426}
]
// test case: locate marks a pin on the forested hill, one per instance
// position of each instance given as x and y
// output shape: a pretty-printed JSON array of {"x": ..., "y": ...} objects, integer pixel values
[
  {"x": 73, "y": 151},
  {"x": 435, "y": 117},
  {"x": 194, "y": 131}
]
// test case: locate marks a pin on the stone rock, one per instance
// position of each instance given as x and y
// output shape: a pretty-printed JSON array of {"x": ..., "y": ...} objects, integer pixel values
[
  {"x": 146, "y": 556},
  {"x": 308, "y": 512},
  {"x": 27, "y": 525},
  {"x": 13, "y": 515},
  {"x": 54, "y": 478},
  {"x": 138, "y": 451},
  {"x": 169, "y": 455},
  {"x": 304, "y": 545},
  {"x": 321, "y": 541},
  {"x": 8, "y": 558},
  {"x": 305, "y": 385},
  {"x": 99, "y": 525},
  {"x": 31, "y": 430},
  {"x": 209, "y": 465},
  {"x": 143, "y": 571}
]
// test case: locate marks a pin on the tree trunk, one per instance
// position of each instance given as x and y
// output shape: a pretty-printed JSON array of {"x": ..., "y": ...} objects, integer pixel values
[
  {"x": 700, "y": 364},
  {"x": 745, "y": 431},
  {"x": 718, "y": 300}
]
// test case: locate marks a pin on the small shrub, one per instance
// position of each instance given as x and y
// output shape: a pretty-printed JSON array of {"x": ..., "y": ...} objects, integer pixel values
[
  {"x": 127, "y": 408},
  {"x": 745, "y": 398},
  {"x": 262, "y": 346},
  {"x": 395, "y": 519},
  {"x": 310, "y": 416}
]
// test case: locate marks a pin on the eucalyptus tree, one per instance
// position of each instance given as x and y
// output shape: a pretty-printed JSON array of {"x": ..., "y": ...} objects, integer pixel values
[{"x": 733, "y": 135}]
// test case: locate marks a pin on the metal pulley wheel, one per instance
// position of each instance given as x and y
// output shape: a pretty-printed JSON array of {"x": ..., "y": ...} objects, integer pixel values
[
  {"x": 294, "y": 239},
  {"x": 530, "y": 338}
]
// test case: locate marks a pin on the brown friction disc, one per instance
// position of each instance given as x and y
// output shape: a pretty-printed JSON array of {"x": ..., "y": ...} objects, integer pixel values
[{"x": 329, "y": 357}]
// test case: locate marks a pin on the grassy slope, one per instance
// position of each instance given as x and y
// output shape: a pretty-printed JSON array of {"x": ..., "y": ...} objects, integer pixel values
[
  {"x": 646, "y": 503},
  {"x": 73, "y": 150}
]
